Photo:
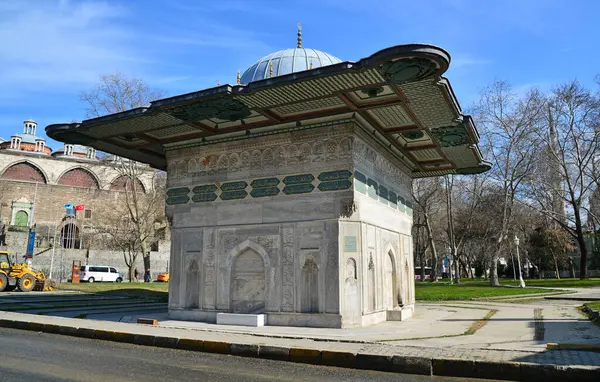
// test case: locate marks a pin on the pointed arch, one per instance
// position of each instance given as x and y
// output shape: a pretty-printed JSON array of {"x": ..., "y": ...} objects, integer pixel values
[
  {"x": 391, "y": 280},
  {"x": 245, "y": 245},
  {"x": 79, "y": 177},
  {"x": 24, "y": 171}
]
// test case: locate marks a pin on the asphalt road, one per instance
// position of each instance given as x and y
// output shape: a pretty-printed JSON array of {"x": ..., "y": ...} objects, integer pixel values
[{"x": 31, "y": 356}]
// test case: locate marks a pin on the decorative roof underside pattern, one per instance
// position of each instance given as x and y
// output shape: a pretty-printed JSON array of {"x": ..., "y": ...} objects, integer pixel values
[{"x": 398, "y": 95}]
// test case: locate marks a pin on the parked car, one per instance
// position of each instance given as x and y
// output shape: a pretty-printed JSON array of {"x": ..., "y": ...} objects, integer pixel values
[
  {"x": 163, "y": 277},
  {"x": 99, "y": 273}
]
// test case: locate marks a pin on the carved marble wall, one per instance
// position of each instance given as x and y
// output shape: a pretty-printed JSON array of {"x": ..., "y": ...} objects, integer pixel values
[{"x": 276, "y": 225}]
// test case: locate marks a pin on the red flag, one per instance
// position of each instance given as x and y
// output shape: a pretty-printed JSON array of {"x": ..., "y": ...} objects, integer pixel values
[{"x": 80, "y": 207}]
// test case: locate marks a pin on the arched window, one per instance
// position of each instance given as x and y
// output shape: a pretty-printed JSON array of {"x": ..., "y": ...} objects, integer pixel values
[
  {"x": 126, "y": 183},
  {"x": 69, "y": 235},
  {"x": 24, "y": 171},
  {"x": 78, "y": 177}
]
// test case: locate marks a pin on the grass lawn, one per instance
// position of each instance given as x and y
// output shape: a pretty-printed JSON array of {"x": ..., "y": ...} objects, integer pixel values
[
  {"x": 548, "y": 283},
  {"x": 149, "y": 290},
  {"x": 593, "y": 305},
  {"x": 562, "y": 283},
  {"x": 467, "y": 290}
]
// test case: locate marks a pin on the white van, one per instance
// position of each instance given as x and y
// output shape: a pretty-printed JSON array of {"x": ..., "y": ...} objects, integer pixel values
[{"x": 93, "y": 273}]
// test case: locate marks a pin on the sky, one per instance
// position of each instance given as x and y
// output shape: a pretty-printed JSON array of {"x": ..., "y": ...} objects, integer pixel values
[{"x": 52, "y": 50}]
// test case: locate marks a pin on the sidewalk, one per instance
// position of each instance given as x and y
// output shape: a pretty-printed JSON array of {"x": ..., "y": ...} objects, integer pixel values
[{"x": 550, "y": 365}]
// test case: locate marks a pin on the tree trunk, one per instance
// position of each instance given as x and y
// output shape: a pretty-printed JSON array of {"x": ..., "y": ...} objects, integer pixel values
[
  {"x": 434, "y": 257},
  {"x": 146, "y": 261},
  {"x": 129, "y": 262},
  {"x": 556, "y": 267},
  {"x": 422, "y": 260},
  {"x": 572, "y": 267},
  {"x": 456, "y": 265},
  {"x": 582, "y": 245},
  {"x": 494, "y": 266}
]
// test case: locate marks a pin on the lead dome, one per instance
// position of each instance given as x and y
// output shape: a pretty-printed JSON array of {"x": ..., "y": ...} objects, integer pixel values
[{"x": 288, "y": 61}]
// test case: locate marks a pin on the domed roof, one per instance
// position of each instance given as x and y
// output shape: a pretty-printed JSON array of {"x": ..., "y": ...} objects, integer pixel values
[
  {"x": 30, "y": 120},
  {"x": 77, "y": 149},
  {"x": 28, "y": 138},
  {"x": 287, "y": 61}
]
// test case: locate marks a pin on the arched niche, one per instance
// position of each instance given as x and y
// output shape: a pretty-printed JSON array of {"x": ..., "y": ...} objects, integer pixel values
[
  {"x": 309, "y": 290},
  {"x": 248, "y": 282}
]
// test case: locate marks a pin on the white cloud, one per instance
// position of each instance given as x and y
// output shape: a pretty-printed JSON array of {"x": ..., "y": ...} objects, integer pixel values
[
  {"x": 61, "y": 43},
  {"x": 461, "y": 61}
]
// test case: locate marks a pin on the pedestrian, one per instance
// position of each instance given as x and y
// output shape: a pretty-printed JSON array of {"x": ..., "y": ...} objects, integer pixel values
[
  {"x": 147, "y": 275},
  {"x": 136, "y": 275}
]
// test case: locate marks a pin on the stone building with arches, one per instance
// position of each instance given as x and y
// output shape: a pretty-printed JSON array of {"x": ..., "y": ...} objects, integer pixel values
[{"x": 36, "y": 183}]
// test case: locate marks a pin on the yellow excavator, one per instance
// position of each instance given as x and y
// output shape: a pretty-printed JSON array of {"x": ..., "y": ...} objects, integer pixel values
[{"x": 21, "y": 276}]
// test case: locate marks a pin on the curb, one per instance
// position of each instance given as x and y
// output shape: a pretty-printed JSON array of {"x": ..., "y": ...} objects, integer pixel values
[
  {"x": 389, "y": 363},
  {"x": 556, "y": 346},
  {"x": 572, "y": 298}
]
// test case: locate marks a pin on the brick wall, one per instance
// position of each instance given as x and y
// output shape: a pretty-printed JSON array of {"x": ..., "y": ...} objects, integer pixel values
[
  {"x": 50, "y": 199},
  {"x": 25, "y": 172},
  {"x": 78, "y": 178},
  {"x": 25, "y": 147}
]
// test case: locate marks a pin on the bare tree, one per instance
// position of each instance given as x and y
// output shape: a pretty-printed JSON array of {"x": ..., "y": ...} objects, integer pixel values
[
  {"x": 572, "y": 139},
  {"x": 116, "y": 92},
  {"x": 426, "y": 193},
  {"x": 464, "y": 213},
  {"x": 135, "y": 222},
  {"x": 507, "y": 122},
  {"x": 420, "y": 242}
]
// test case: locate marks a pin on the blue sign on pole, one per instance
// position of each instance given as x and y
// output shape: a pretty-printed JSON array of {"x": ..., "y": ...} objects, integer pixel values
[{"x": 30, "y": 245}]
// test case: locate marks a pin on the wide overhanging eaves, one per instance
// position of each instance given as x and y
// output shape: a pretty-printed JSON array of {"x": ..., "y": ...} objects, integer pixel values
[{"x": 397, "y": 94}]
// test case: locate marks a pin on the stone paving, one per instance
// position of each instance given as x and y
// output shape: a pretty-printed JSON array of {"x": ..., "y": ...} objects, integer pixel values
[
  {"x": 77, "y": 304},
  {"x": 435, "y": 331}
]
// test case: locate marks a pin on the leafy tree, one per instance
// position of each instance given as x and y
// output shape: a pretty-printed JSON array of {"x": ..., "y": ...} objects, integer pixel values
[{"x": 548, "y": 248}]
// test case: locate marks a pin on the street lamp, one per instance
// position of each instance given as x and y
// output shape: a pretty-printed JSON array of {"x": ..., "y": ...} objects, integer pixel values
[{"x": 521, "y": 282}]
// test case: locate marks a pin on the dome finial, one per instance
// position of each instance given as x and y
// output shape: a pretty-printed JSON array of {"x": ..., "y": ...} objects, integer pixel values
[
  {"x": 299, "y": 35},
  {"x": 239, "y": 77},
  {"x": 218, "y": 83},
  {"x": 270, "y": 69}
]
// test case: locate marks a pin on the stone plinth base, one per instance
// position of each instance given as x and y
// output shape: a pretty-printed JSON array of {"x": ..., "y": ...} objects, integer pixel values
[
  {"x": 314, "y": 320},
  {"x": 399, "y": 314},
  {"x": 241, "y": 319},
  {"x": 193, "y": 315},
  {"x": 373, "y": 318},
  {"x": 311, "y": 320}
]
